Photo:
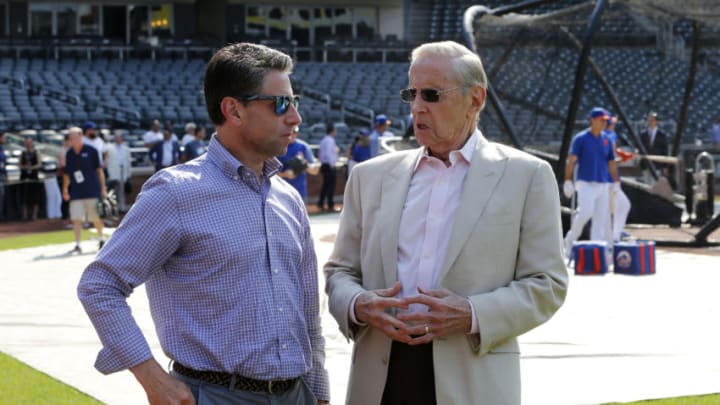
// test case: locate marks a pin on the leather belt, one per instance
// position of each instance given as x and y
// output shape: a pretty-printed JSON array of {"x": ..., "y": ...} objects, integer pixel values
[{"x": 236, "y": 381}]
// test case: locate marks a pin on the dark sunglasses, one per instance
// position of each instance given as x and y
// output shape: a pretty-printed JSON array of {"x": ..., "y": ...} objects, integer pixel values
[
  {"x": 428, "y": 95},
  {"x": 282, "y": 103}
]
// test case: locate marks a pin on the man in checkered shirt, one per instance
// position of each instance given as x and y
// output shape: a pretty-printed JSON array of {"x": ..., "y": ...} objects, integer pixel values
[{"x": 224, "y": 249}]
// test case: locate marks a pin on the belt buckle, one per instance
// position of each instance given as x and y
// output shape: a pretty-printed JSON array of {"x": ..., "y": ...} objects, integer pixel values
[{"x": 270, "y": 390}]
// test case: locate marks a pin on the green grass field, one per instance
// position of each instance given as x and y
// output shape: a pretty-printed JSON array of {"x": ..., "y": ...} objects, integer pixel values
[
  {"x": 20, "y": 384},
  {"x": 713, "y": 399},
  {"x": 42, "y": 239}
]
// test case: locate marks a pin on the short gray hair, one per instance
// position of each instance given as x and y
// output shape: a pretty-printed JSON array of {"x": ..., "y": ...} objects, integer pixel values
[
  {"x": 467, "y": 65},
  {"x": 75, "y": 130}
]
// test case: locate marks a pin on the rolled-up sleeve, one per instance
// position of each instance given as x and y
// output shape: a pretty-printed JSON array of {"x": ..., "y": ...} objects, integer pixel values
[{"x": 147, "y": 236}]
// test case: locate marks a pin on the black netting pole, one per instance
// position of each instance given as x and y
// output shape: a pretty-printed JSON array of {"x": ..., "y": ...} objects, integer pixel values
[
  {"x": 578, "y": 88},
  {"x": 689, "y": 84}
]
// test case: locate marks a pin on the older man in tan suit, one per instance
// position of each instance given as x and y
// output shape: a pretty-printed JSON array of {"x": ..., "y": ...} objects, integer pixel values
[{"x": 446, "y": 253}]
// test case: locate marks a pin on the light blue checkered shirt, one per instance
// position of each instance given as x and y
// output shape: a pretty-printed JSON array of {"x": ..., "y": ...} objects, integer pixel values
[{"x": 230, "y": 271}]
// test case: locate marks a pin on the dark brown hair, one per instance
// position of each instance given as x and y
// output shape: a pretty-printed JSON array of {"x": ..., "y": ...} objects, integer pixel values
[{"x": 239, "y": 70}]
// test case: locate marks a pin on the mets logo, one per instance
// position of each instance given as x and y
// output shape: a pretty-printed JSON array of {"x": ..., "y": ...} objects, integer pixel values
[
  {"x": 624, "y": 259},
  {"x": 605, "y": 142}
]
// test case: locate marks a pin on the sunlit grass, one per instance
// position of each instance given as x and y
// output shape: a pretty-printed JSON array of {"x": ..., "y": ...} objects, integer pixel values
[
  {"x": 21, "y": 384},
  {"x": 42, "y": 239}
]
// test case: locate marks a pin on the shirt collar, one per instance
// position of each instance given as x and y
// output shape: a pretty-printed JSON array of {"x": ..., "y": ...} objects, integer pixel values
[
  {"x": 466, "y": 152},
  {"x": 230, "y": 166}
]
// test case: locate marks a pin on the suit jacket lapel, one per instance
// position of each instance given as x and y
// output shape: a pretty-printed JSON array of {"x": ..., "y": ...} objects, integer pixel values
[
  {"x": 395, "y": 185},
  {"x": 485, "y": 171}
]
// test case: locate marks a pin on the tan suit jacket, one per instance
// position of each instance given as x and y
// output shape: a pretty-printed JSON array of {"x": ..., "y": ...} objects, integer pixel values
[{"x": 505, "y": 253}]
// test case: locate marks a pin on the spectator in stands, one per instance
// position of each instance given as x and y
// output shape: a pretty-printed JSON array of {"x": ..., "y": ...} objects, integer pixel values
[
  {"x": 359, "y": 151},
  {"x": 30, "y": 165},
  {"x": 594, "y": 156},
  {"x": 165, "y": 153},
  {"x": 328, "y": 156},
  {"x": 620, "y": 203},
  {"x": 298, "y": 162},
  {"x": 83, "y": 185},
  {"x": 380, "y": 130},
  {"x": 53, "y": 198},
  {"x": 197, "y": 146},
  {"x": 228, "y": 257},
  {"x": 154, "y": 135},
  {"x": 3, "y": 175},
  {"x": 190, "y": 129},
  {"x": 445, "y": 253},
  {"x": 656, "y": 143},
  {"x": 119, "y": 162}
]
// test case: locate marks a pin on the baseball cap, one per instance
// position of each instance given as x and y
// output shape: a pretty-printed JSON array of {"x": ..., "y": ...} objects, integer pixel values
[
  {"x": 364, "y": 132},
  {"x": 382, "y": 119},
  {"x": 598, "y": 112},
  {"x": 88, "y": 125}
]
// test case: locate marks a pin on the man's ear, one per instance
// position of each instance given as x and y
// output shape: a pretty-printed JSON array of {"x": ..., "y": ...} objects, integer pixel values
[
  {"x": 479, "y": 95},
  {"x": 231, "y": 110}
]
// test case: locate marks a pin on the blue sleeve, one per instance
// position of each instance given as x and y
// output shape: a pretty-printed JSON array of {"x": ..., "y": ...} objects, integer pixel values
[
  {"x": 611, "y": 152},
  {"x": 575, "y": 146},
  {"x": 308, "y": 154}
]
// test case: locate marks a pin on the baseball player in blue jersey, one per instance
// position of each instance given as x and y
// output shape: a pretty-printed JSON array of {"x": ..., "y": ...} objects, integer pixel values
[
  {"x": 620, "y": 202},
  {"x": 595, "y": 159}
]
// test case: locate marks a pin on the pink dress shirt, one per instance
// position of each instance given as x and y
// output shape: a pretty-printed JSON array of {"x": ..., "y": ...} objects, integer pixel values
[{"x": 426, "y": 223}]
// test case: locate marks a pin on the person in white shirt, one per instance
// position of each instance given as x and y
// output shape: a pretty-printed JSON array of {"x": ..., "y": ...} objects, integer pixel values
[
  {"x": 328, "y": 155},
  {"x": 154, "y": 135},
  {"x": 118, "y": 166},
  {"x": 189, "y": 136},
  {"x": 92, "y": 137}
]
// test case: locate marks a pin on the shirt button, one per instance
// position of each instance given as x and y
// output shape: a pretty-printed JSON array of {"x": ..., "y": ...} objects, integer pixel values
[
  {"x": 276, "y": 271},
  {"x": 279, "y": 309},
  {"x": 284, "y": 346}
]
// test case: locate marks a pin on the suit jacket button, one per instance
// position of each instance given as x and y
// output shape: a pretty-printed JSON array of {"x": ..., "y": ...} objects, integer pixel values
[{"x": 385, "y": 360}]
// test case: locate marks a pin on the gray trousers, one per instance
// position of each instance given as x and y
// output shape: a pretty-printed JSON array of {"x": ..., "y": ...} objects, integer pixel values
[{"x": 211, "y": 394}]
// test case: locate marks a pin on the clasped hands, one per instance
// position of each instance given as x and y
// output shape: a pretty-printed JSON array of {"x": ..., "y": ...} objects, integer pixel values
[{"x": 448, "y": 313}]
